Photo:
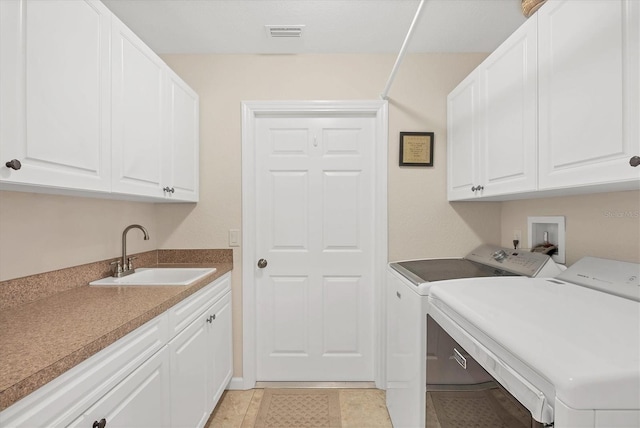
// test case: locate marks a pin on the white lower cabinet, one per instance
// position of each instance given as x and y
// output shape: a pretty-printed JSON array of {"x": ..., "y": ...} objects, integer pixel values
[
  {"x": 189, "y": 390},
  {"x": 222, "y": 347},
  {"x": 136, "y": 402},
  {"x": 201, "y": 365},
  {"x": 170, "y": 372}
]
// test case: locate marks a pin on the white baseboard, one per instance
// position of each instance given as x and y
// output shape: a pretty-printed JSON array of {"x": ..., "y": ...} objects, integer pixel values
[{"x": 238, "y": 383}]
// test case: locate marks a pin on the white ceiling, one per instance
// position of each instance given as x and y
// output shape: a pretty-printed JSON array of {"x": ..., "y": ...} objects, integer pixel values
[{"x": 331, "y": 26}]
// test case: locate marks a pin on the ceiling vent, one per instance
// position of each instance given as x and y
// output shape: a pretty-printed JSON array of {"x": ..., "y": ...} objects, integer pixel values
[{"x": 286, "y": 31}]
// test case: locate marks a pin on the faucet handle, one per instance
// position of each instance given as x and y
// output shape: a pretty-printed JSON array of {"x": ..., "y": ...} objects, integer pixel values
[
  {"x": 118, "y": 268},
  {"x": 130, "y": 262}
]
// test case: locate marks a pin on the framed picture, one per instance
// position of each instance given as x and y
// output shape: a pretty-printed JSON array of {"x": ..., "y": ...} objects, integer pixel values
[{"x": 416, "y": 148}]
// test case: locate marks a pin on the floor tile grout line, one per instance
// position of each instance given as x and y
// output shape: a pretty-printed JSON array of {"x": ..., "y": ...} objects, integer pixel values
[{"x": 246, "y": 412}]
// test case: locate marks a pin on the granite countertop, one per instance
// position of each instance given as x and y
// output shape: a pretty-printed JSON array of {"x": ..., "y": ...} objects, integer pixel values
[{"x": 42, "y": 339}]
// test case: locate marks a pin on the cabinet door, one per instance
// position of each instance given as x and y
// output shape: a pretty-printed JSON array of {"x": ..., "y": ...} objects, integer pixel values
[
  {"x": 222, "y": 349},
  {"x": 55, "y": 93},
  {"x": 138, "y": 82},
  {"x": 509, "y": 123},
  {"x": 190, "y": 355},
  {"x": 181, "y": 163},
  {"x": 589, "y": 93},
  {"x": 463, "y": 139},
  {"x": 140, "y": 400}
]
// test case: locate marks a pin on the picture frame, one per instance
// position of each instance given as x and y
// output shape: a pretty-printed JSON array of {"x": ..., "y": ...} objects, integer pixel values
[{"x": 416, "y": 148}]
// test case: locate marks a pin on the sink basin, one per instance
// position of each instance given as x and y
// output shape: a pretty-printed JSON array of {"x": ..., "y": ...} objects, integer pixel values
[{"x": 157, "y": 276}]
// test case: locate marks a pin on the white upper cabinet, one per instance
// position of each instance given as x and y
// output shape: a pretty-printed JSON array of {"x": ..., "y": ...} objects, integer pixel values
[
  {"x": 55, "y": 94},
  {"x": 508, "y": 126},
  {"x": 86, "y": 108},
  {"x": 557, "y": 110},
  {"x": 138, "y": 85},
  {"x": 181, "y": 161},
  {"x": 463, "y": 137},
  {"x": 589, "y": 92},
  {"x": 492, "y": 122}
]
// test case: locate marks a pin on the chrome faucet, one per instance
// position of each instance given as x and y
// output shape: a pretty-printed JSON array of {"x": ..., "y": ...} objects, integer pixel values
[{"x": 124, "y": 266}]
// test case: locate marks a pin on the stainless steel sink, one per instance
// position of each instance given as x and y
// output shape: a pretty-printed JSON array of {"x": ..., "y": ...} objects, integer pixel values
[{"x": 157, "y": 276}]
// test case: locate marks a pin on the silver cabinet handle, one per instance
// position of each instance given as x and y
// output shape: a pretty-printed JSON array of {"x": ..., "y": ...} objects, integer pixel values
[
  {"x": 262, "y": 263},
  {"x": 634, "y": 161}
]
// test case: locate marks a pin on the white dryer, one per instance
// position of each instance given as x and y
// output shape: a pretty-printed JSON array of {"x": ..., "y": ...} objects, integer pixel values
[
  {"x": 568, "y": 349},
  {"x": 409, "y": 366}
]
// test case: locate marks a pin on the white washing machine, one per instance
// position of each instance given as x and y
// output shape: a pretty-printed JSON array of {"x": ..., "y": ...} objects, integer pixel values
[
  {"x": 568, "y": 349},
  {"x": 409, "y": 366}
]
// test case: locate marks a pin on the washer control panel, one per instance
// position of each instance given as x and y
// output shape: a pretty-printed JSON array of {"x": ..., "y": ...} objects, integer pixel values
[
  {"x": 516, "y": 261},
  {"x": 609, "y": 276}
]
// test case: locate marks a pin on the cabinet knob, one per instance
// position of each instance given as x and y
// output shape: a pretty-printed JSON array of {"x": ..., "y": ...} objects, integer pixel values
[
  {"x": 169, "y": 189},
  {"x": 473, "y": 189},
  {"x": 14, "y": 164},
  {"x": 634, "y": 161},
  {"x": 101, "y": 424},
  {"x": 262, "y": 263}
]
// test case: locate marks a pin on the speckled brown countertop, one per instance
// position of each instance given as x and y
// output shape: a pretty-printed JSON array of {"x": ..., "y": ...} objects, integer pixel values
[{"x": 43, "y": 338}]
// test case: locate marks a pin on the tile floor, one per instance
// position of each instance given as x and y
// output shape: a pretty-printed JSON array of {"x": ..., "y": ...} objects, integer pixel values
[{"x": 360, "y": 408}]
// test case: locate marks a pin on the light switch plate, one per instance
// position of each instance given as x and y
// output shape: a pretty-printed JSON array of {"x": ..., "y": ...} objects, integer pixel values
[{"x": 234, "y": 237}]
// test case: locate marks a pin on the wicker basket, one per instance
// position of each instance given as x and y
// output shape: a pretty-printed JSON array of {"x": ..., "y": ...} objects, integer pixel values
[{"x": 529, "y": 7}]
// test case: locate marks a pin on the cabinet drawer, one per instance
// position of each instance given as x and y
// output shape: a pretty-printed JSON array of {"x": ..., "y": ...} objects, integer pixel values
[
  {"x": 61, "y": 401},
  {"x": 189, "y": 309}
]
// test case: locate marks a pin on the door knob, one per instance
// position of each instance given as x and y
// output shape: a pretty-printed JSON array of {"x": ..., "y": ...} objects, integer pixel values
[
  {"x": 634, "y": 161},
  {"x": 262, "y": 263}
]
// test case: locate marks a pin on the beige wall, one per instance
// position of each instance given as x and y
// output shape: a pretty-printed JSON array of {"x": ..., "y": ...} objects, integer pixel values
[
  {"x": 421, "y": 221},
  {"x": 43, "y": 232},
  {"x": 602, "y": 225}
]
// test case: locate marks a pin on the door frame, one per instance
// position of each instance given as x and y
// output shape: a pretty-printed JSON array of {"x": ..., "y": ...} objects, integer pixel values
[{"x": 251, "y": 110}]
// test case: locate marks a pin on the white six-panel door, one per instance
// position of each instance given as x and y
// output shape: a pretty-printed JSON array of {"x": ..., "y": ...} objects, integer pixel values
[{"x": 315, "y": 229}]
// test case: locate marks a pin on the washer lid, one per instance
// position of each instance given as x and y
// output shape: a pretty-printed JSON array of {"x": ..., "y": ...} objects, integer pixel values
[
  {"x": 583, "y": 342},
  {"x": 429, "y": 270}
]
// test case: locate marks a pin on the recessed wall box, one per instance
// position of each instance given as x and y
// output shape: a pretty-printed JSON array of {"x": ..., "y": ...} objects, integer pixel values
[{"x": 547, "y": 235}]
